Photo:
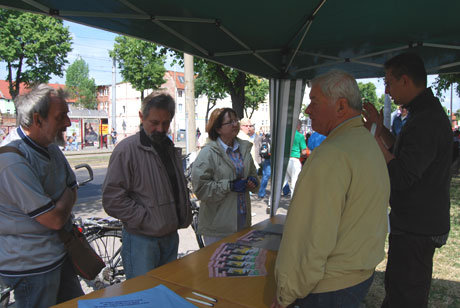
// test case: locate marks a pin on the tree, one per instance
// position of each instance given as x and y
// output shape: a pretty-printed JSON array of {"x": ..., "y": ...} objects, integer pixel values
[
  {"x": 368, "y": 94},
  {"x": 33, "y": 46},
  {"x": 233, "y": 82},
  {"x": 443, "y": 83},
  {"x": 80, "y": 85},
  {"x": 255, "y": 93},
  {"x": 141, "y": 63},
  {"x": 204, "y": 85}
]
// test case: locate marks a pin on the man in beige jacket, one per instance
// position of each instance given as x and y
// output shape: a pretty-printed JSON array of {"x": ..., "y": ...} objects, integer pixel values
[
  {"x": 146, "y": 189},
  {"x": 337, "y": 222}
]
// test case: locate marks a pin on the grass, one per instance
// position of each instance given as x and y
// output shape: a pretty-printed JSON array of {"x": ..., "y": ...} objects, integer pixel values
[{"x": 445, "y": 286}]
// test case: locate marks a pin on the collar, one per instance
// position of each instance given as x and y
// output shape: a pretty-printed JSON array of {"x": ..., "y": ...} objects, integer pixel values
[
  {"x": 421, "y": 101},
  {"x": 43, "y": 151},
  {"x": 235, "y": 147},
  {"x": 351, "y": 122}
]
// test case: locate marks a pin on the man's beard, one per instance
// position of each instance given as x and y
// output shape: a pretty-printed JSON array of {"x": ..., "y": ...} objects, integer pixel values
[
  {"x": 59, "y": 139},
  {"x": 158, "y": 137}
]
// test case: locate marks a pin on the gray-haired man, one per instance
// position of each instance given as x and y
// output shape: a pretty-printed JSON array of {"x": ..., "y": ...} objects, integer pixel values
[
  {"x": 146, "y": 189},
  {"x": 37, "y": 194}
]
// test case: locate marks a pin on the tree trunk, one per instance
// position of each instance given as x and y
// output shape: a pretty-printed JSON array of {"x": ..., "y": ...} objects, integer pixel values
[
  {"x": 236, "y": 90},
  {"x": 211, "y": 104}
]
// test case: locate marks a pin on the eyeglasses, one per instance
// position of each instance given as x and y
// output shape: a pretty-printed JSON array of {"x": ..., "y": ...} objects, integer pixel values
[
  {"x": 234, "y": 122},
  {"x": 248, "y": 125}
]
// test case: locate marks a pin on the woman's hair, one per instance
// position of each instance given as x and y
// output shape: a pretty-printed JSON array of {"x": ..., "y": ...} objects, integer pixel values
[{"x": 215, "y": 121}]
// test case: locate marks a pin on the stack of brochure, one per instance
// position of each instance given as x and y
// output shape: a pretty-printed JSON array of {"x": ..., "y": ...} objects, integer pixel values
[
  {"x": 261, "y": 239},
  {"x": 236, "y": 260}
]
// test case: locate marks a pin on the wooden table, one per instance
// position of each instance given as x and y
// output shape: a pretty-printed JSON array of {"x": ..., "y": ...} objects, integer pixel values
[
  {"x": 142, "y": 283},
  {"x": 190, "y": 273}
]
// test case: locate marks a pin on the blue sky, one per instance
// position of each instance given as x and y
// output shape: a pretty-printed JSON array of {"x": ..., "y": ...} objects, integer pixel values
[{"x": 92, "y": 45}]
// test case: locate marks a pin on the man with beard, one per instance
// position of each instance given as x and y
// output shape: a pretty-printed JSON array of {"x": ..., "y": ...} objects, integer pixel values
[
  {"x": 146, "y": 189},
  {"x": 37, "y": 195}
]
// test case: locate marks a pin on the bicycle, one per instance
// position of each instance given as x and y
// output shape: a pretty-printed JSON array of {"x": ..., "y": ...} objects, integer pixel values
[
  {"x": 105, "y": 236},
  {"x": 193, "y": 199}
]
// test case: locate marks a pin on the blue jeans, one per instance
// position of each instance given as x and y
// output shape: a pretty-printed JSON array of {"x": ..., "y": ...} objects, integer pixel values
[
  {"x": 286, "y": 189},
  {"x": 351, "y": 297},
  {"x": 266, "y": 173},
  {"x": 45, "y": 290},
  {"x": 142, "y": 253}
]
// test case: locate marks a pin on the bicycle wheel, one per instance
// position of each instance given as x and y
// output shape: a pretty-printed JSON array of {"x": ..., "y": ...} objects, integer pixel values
[
  {"x": 6, "y": 298},
  {"x": 107, "y": 245}
]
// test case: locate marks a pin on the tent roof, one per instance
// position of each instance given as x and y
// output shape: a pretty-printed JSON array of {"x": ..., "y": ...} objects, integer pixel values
[{"x": 280, "y": 39}]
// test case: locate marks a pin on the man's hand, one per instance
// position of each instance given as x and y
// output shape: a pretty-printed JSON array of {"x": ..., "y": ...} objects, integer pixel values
[
  {"x": 371, "y": 115},
  {"x": 275, "y": 304}
]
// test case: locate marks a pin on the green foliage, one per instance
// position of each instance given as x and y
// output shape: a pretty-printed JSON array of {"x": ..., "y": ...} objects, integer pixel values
[
  {"x": 443, "y": 83},
  {"x": 80, "y": 85},
  {"x": 141, "y": 63},
  {"x": 205, "y": 85},
  {"x": 368, "y": 93},
  {"x": 33, "y": 46},
  {"x": 255, "y": 93},
  {"x": 233, "y": 82}
]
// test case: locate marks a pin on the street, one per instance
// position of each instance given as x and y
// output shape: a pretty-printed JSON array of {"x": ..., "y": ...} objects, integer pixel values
[{"x": 89, "y": 204}]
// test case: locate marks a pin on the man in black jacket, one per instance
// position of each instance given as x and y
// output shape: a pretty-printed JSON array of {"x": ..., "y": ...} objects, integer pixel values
[{"x": 418, "y": 161}]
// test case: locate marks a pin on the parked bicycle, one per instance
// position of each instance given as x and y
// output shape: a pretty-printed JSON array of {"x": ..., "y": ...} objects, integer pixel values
[
  {"x": 193, "y": 199},
  {"x": 104, "y": 235}
]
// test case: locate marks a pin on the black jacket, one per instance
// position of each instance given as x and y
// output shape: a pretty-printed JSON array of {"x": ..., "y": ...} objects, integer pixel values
[{"x": 420, "y": 174}]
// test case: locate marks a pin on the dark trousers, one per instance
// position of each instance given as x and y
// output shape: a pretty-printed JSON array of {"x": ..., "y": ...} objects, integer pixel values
[
  {"x": 408, "y": 273},
  {"x": 351, "y": 297}
]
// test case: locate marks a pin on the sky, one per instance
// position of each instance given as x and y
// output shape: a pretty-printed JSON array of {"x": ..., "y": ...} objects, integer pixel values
[{"x": 93, "y": 46}]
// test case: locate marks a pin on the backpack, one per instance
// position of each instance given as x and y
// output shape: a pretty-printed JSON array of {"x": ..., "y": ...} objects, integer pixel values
[{"x": 264, "y": 150}]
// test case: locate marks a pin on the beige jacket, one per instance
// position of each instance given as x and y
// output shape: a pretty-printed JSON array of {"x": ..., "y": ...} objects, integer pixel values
[
  {"x": 211, "y": 175},
  {"x": 336, "y": 225},
  {"x": 137, "y": 191}
]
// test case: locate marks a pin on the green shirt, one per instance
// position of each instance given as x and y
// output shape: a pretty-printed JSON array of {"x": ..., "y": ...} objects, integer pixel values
[{"x": 298, "y": 145}]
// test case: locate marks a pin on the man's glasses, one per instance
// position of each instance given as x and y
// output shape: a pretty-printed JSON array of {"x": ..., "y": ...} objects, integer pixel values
[
  {"x": 248, "y": 125},
  {"x": 234, "y": 122}
]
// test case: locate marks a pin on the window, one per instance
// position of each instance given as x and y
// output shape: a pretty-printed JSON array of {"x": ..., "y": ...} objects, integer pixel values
[
  {"x": 181, "y": 79},
  {"x": 179, "y": 93},
  {"x": 124, "y": 109},
  {"x": 180, "y": 107}
]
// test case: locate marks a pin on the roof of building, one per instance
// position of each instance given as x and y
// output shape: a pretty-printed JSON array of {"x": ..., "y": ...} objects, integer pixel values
[
  {"x": 180, "y": 79},
  {"x": 5, "y": 91}
]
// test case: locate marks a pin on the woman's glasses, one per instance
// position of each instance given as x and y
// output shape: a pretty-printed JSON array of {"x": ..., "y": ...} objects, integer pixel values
[{"x": 234, "y": 122}]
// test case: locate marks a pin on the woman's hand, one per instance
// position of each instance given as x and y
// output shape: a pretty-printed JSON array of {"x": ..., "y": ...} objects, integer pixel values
[{"x": 252, "y": 182}]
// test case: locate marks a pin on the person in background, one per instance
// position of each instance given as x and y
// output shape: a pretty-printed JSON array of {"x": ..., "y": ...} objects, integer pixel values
[
  {"x": 315, "y": 140},
  {"x": 114, "y": 135},
  {"x": 399, "y": 120},
  {"x": 38, "y": 192},
  {"x": 222, "y": 176},
  {"x": 299, "y": 148},
  {"x": 335, "y": 229},
  {"x": 146, "y": 189},
  {"x": 247, "y": 133},
  {"x": 265, "y": 154},
  {"x": 418, "y": 162}
]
